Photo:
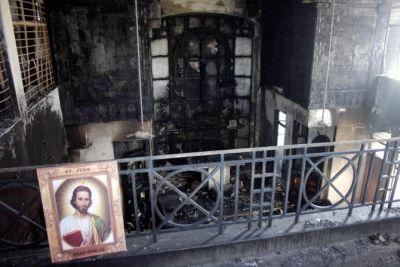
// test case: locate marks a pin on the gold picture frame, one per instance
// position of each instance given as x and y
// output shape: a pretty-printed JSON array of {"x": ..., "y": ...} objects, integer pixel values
[{"x": 82, "y": 206}]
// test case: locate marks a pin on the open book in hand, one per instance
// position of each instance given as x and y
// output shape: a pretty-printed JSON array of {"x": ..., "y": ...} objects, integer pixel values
[{"x": 74, "y": 238}]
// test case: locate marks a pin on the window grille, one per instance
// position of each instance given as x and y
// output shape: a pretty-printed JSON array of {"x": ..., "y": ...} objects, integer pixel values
[
  {"x": 202, "y": 71},
  {"x": 31, "y": 35},
  {"x": 6, "y": 108}
]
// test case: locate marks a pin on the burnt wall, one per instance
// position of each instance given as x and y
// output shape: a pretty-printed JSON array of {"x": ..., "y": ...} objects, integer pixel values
[
  {"x": 358, "y": 37},
  {"x": 96, "y": 56},
  {"x": 287, "y": 47},
  {"x": 385, "y": 109},
  {"x": 178, "y": 7},
  {"x": 38, "y": 140}
]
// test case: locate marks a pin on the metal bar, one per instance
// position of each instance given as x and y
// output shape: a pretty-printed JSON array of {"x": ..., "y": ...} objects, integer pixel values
[
  {"x": 23, "y": 217},
  {"x": 221, "y": 205},
  {"x": 395, "y": 181},
  {"x": 253, "y": 170},
  {"x": 380, "y": 176},
  {"x": 4, "y": 82},
  {"x": 5, "y": 99},
  {"x": 171, "y": 168},
  {"x": 22, "y": 9},
  {"x": 261, "y": 201},
  {"x": 390, "y": 170},
  {"x": 135, "y": 203},
  {"x": 234, "y": 162},
  {"x": 186, "y": 199},
  {"x": 271, "y": 207},
  {"x": 153, "y": 199},
  {"x": 200, "y": 154},
  {"x": 6, "y": 108},
  {"x": 29, "y": 23},
  {"x": 288, "y": 181},
  {"x": 19, "y": 214},
  {"x": 237, "y": 184},
  {"x": 299, "y": 197},
  {"x": 260, "y": 149},
  {"x": 139, "y": 63},
  {"x": 329, "y": 182},
  {"x": 356, "y": 177},
  {"x": 367, "y": 183}
]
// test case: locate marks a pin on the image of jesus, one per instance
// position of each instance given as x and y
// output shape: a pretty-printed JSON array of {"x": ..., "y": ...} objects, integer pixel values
[{"x": 82, "y": 229}]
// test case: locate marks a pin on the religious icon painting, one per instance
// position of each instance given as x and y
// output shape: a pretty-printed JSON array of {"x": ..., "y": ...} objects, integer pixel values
[{"x": 83, "y": 210}]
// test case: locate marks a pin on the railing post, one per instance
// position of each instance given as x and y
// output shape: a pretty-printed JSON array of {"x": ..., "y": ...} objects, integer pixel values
[
  {"x": 356, "y": 177},
  {"x": 153, "y": 198},
  {"x": 300, "y": 193},
  {"x": 237, "y": 185},
  {"x": 135, "y": 203},
  {"x": 380, "y": 176},
  {"x": 222, "y": 185},
  {"x": 389, "y": 176},
  {"x": 253, "y": 171},
  {"x": 369, "y": 174},
  {"x": 272, "y": 203},
  {"x": 288, "y": 181},
  {"x": 396, "y": 179},
  {"x": 261, "y": 200}
]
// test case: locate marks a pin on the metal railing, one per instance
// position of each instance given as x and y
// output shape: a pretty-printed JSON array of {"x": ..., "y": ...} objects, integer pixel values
[{"x": 253, "y": 186}]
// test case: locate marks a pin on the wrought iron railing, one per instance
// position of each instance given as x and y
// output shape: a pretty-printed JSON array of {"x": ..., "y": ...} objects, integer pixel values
[{"x": 253, "y": 186}]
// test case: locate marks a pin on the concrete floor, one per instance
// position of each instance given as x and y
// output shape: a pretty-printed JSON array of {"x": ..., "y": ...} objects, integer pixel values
[{"x": 376, "y": 250}]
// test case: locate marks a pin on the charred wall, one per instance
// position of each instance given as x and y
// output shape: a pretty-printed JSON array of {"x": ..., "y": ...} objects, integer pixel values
[
  {"x": 287, "y": 47},
  {"x": 38, "y": 140},
  {"x": 96, "y": 54},
  {"x": 325, "y": 56},
  {"x": 385, "y": 109},
  {"x": 358, "y": 36},
  {"x": 94, "y": 44},
  {"x": 178, "y": 7}
]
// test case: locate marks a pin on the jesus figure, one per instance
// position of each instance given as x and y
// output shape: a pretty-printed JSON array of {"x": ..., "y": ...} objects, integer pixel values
[{"x": 82, "y": 228}]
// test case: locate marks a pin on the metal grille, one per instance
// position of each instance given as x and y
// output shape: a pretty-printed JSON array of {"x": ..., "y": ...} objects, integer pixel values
[
  {"x": 6, "y": 111},
  {"x": 32, "y": 40},
  {"x": 209, "y": 83},
  {"x": 203, "y": 189}
]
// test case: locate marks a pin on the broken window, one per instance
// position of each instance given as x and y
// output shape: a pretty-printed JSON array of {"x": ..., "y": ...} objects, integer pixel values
[
  {"x": 391, "y": 65},
  {"x": 202, "y": 79},
  {"x": 6, "y": 107},
  {"x": 31, "y": 35}
]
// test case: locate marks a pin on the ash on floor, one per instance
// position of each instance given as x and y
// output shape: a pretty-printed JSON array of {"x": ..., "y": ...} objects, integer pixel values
[{"x": 376, "y": 250}]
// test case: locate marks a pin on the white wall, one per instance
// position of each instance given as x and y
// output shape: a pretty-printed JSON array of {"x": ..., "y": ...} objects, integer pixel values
[{"x": 102, "y": 135}]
